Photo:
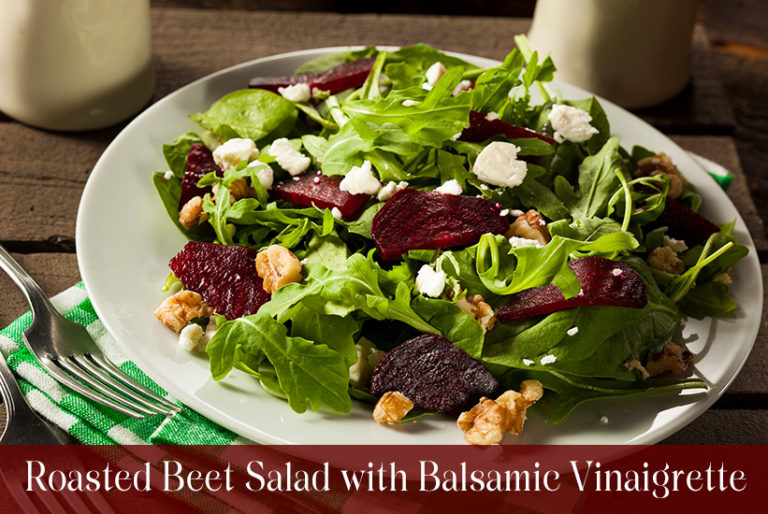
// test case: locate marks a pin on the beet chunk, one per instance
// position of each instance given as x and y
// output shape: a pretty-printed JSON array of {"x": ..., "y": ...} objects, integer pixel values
[
  {"x": 225, "y": 276},
  {"x": 481, "y": 128},
  {"x": 434, "y": 374},
  {"x": 338, "y": 78},
  {"x": 414, "y": 219},
  {"x": 199, "y": 163},
  {"x": 603, "y": 282},
  {"x": 316, "y": 189},
  {"x": 685, "y": 224}
]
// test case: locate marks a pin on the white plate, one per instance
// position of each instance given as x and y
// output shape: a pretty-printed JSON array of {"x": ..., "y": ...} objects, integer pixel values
[{"x": 124, "y": 242}]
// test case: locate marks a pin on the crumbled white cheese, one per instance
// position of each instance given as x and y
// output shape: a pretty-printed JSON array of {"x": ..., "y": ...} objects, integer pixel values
[
  {"x": 426, "y": 87},
  {"x": 168, "y": 175},
  {"x": 367, "y": 358},
  {"x": 266, "y": 175},
  {"x": 336, "y": 213},
  {"x": 571, "y": 124},
  {"x": 386, "y": 192},
  {"x": 189, "y": 337},
  {"x": 299, "y": 93},
  {"x": 232, "y": 152},
  {"x": 462, "y": 86},
  {"x": 616, "y": 272},
  {"x": 286, "y": 155},
  {"x": 434, "y": 73},
  {"x": 451, "y": 187},
  {"x": 360, "y": 180},
  {"x": 521, "y": 242},
  {"x": 504, "y": 212},
  {"x": 456, "y": 136},
  {"x": 430, "y": 282},
  {"x": 516, "y": 212},
  {"x": 492, "y": 116},
  {"x": 497, "y": 164},
  {"x": 676, "y": 245},
  {"x": 547, "y": 359},
  {"x": 410, "y": 103},
  {"x": 604, "y": 420},
  {"x": 572, "y": 331},
  {"x": 528, "y": 362},
  {"x": 483, "y": 187}
]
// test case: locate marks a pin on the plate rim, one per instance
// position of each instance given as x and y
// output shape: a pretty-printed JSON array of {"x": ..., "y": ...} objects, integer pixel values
[{"x": 648, "y": 437}]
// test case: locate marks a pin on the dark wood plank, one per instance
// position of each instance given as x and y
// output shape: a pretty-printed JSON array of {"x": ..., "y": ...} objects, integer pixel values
[
  {"x": 55, "y": 272},
  {"x": 724, "y": 427}
]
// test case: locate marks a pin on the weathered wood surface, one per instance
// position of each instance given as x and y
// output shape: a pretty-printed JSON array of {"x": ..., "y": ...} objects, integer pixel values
[{"x": 42, "y": 174}]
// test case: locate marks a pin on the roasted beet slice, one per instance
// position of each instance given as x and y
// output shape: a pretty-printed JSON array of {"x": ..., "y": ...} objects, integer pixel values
[
  {"x": 338, "y": 78},
  {"x": 314, "y": 188},
  {"x": 603, "y": 282},
  {"x": 434, "y": 374},
  {"x": 414, "y": 219},
  {"x": 481, "y": 128},
  {"x": 225, "y": 276},
  {"x": 685, "y": 224},
  {"x": 199, "y": 163}
]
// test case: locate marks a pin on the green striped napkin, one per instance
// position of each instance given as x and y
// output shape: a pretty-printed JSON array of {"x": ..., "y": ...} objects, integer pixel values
[{"x": 88, "y": 421}]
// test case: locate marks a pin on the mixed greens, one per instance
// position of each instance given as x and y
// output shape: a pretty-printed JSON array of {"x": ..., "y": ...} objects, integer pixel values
[{"x": 302, "y": 342}]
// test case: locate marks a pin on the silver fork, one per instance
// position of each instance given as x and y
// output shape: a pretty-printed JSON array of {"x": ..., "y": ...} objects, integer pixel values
[{"x": 67, "y": 352}]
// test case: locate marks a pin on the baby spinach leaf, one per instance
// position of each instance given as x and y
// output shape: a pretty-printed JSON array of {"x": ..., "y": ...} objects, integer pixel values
[
  {"x": 453, "y": 323},
  {"x": 251, "y": 113},
  {"x": 176, "y": 153},
  {"x": 169, "y": 191}
]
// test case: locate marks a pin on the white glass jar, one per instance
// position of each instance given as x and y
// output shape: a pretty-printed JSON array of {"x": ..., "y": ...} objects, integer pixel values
[
  {"x": 74, "y": 64},
  {"x": 636, "y": 53}
]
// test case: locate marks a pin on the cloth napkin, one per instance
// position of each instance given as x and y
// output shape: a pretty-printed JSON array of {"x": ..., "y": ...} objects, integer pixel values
[{"x": 86, "y": 420}]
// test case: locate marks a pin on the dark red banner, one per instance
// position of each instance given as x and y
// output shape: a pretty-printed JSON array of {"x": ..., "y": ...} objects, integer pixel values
[{"x": 402, "y": 479}]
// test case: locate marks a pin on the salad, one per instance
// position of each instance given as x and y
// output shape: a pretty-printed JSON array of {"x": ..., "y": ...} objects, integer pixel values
[{"x": 409, "y": 230}]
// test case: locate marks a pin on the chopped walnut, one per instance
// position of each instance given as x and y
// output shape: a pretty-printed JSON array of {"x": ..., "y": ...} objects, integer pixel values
[
  {"x": 530, "y": 226},
  {"x": 634, "y": 364},
  {"x": 661, "y": 164},
  {"x": 192, "y": 214},
  {"x": 487, "y": 421},
  {"x": 391, "y": 408},
  {"x": 277, "y": 266},
  {"x": 476, "y": 307},
  {"x": 177, "y": 310},
  {"x": 665, "y": 259},
  {"x": 672, "y": 357},
  {"x": 239, "y": 188}
]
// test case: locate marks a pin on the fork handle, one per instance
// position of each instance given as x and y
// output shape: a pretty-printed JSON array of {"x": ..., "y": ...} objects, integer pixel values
[{"x": 37, "y": 299}]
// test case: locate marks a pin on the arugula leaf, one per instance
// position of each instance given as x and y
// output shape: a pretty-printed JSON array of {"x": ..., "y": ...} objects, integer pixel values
[
  {"x": 310, "y": 374},
  {"x": 251, "y": 113}
]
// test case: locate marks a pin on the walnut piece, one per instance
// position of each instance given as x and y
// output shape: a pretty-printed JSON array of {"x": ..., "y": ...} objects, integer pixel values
[
  {"x": 487, "y": 421},
  {"x": 530, "y": 226},
  {"x": 476, "y": 307},
  {"x": 672, "y": 357},
  {"x": 661, "y": 164},
  {"x": 633, "y": 364},
  {"x": 192, "y": 214},
  {"x": 177, "y": 310},
  {"x": 665, "y": 259},
  {"x": 239, "y": 188},
  {"x": 391, "y": 408},
  {"x": 277, "y": 266}
]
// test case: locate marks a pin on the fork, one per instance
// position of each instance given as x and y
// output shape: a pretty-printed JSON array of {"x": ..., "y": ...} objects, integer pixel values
[{"x": 67, "y": 352}]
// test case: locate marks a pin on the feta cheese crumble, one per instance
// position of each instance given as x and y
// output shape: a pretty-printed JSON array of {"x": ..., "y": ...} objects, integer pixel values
[
  {"x": 434, "y": 73},
  {"x": 676, "y": 245},
  {"x": 572, "y": 331},
  {"x": 504, "y": 212},
  {"x": 386, "y": 192},
  {"x": 547, "y": 359},
  {"x": 492, "y": 116},
  {"x": 266, "y": 175},
  {"x": 232, "y": 152},
  {"x": 462, "y": 86},
  {"x": 450, "y": 187},
  {"x": 571, "y": 124},
  {"x": 516, "y": 213},
  {"x": 521, "y": 242},
  {"x": 410, "y": 103},
  {"x": 616, "y": 272},
  {"x": 290, "y": 159},
  {"x": 168, "y": 175},
  {"x": 430, "y": 282},
  {"x": 367, "y": 357},
  {"x": 360, "y": 180},
  {"x": 497, "y": 164},
  {"x": 299, "y": 93},
  {"x": 336, "y": 213},
  {"x": 528, "y": 362},
  {"x": 604, "y": 420},
  {"x": 190, "y": 336}
]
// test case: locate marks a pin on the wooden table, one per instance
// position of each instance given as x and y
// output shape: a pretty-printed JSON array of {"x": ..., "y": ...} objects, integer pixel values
[{"x": 43, "y": 173}]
